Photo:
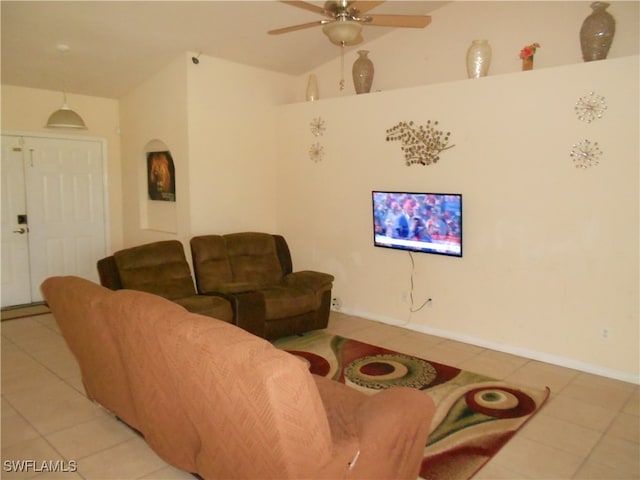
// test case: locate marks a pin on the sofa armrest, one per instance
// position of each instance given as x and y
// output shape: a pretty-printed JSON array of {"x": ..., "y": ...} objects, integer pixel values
[
  {"x": 309, "y": 279},
  {"x": 383, "y": 435},
  {"x": 108, "y": 273},
  {"x": 250, "y": 311},
  {"x": 393, "y": 424},
  {"x": 248, "y": 306}
]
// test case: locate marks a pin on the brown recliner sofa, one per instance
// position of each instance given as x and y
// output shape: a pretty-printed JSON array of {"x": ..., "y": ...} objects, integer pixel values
[
  {"x": 161, "y": 268},
  {"x": 255, "y": 270},
  {"x": 214, "y": 400}
]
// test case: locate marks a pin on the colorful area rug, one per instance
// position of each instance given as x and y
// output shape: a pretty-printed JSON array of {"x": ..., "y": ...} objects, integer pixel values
[{"x": 475, "y": 415}]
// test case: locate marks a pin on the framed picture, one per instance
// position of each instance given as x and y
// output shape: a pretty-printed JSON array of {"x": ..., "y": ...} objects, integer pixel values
[{"x": 161, "y": 176}]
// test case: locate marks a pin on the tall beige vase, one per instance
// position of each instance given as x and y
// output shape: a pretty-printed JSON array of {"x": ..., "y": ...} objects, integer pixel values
[{"x": 362, "y": 72}]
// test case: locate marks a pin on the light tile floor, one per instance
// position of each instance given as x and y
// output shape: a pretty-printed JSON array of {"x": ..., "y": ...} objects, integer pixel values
[{"x": 589, "y": 429}]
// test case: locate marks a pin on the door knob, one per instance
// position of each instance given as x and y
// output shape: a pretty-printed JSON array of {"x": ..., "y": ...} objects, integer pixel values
[{"x": 21, "y": 231}]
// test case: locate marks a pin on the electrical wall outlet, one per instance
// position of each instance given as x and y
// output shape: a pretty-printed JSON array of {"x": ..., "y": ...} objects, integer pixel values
[{"x": 336, "y": 304}]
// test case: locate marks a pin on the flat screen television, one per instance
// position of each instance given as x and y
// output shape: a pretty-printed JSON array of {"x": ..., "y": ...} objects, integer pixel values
[{"x": 418, "y": 222}]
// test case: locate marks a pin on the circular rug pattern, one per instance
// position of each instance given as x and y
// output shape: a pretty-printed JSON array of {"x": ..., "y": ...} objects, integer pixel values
[
  {"x": 500, "y": 402},
  {"x": 316, "y": 364},
  {"x": 390, "y": 370}
]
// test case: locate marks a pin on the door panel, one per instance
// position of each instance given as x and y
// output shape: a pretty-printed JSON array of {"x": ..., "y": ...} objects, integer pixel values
[
  {"x": 16, "y": 282},
  {"x": 59, "y": 184},
  {"x": 66, "y": 209}
]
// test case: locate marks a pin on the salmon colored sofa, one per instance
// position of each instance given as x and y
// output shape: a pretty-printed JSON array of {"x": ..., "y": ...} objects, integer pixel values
[{"x": 217, "y": 401}]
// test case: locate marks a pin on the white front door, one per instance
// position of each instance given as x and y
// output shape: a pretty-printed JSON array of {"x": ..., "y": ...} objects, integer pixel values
[
  {"x": 16, "y": 280},
  {"x": 65, "y": 191}
]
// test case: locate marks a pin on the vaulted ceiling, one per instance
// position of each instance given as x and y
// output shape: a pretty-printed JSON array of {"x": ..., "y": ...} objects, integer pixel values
[{"x": 115, "y": 45}]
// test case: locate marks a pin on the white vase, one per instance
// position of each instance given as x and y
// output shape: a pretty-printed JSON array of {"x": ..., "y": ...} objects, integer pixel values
[
  {"x": 312, "y": 88},
  {"x": 478, "y": 59}
]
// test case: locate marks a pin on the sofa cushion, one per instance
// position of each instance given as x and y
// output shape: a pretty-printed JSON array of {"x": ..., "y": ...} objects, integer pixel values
[
  {"x": 138, "y": 322},
  {"x": 253, "y": 258},
  {"x": 216, "y": 307},
  {"x": 238, "y": 262},
  {"x": 256, "y": 408},
  {"x": 160, "y": 268},
  {"x": 75, "y": 304},
  {"x": 211, "y": 264}
]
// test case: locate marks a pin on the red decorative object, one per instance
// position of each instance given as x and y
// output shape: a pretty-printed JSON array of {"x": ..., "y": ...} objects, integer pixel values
[{"x": 526, "y": 54}]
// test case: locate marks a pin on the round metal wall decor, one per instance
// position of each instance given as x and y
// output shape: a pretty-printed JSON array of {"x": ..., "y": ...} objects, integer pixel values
[
  {"x": 586, "y": 154},
  {"x": 590, "y": 107}
]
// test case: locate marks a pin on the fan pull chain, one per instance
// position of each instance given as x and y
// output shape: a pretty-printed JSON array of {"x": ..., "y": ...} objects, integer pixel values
[{"x": 342, "y": 66}]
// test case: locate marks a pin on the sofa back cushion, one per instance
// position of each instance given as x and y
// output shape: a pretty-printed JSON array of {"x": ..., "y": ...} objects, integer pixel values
[
  {"x": 236, "y": 262},
  {"x": 160, "y": 268},
  {"x": 253, "y": 258},
  {"x": 138, "y": 321},
  {"x": 74, "y": 303},
  {"x": 210, "y": 263},
  {"x": 257, "y": 409}
]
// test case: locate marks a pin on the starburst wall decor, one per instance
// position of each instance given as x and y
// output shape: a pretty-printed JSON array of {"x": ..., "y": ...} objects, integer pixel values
[
  {"x": 317, "y": 126},
  {"x": 586, "y": 154},
  {"x": 590, "y": 107},
  {"x": 316, "y": 151}
]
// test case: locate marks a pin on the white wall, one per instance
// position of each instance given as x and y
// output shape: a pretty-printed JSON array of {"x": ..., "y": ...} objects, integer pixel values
[
  {"x": 216, "y": 118},
  {"x": 409, "y": 57},
  {"x": 232, "y": 154},
  {"x": 154, "y": 112},
  {"x": 551, "y": 251}
]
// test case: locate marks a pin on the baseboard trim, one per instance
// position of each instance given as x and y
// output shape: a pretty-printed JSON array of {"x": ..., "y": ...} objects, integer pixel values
[{"x": 504, "y": 348}]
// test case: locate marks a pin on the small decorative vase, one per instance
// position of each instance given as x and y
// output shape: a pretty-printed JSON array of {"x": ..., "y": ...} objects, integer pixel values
[
  {"x": 312, "y": 88},
  {"x": 596, "y": 34},
  {"x": 527, "y": 63},
  {"x": 362, "y": 72},
  {"x": 478, "y": 59}
]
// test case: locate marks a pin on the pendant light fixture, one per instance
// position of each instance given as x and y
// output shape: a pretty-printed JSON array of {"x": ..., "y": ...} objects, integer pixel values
[{"x": 64, "y": 117}]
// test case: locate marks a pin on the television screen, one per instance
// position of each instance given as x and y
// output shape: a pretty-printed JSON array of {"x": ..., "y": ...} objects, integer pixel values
[{"x": 418, "y": 222}]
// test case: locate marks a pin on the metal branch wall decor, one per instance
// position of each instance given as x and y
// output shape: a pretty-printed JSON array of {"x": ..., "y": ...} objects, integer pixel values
[
  {"x": 316, "y": 151},
  {"x": 421, "y": 145}
]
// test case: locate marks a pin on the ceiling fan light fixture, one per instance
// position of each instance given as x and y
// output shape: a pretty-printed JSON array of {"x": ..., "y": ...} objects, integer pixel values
[{"x": 342, "y": 31}]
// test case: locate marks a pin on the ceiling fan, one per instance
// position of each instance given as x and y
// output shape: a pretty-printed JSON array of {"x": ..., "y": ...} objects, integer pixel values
[{"x": 344, "y": 26}]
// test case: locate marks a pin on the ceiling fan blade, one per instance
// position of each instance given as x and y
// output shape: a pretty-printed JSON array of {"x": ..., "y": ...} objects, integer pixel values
[
  {"x": 410, "y": 21},
  {"x": 306, "y": 6},
  {"x": 363, "y": 6},
  {"x": 293, "y": 28}
]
